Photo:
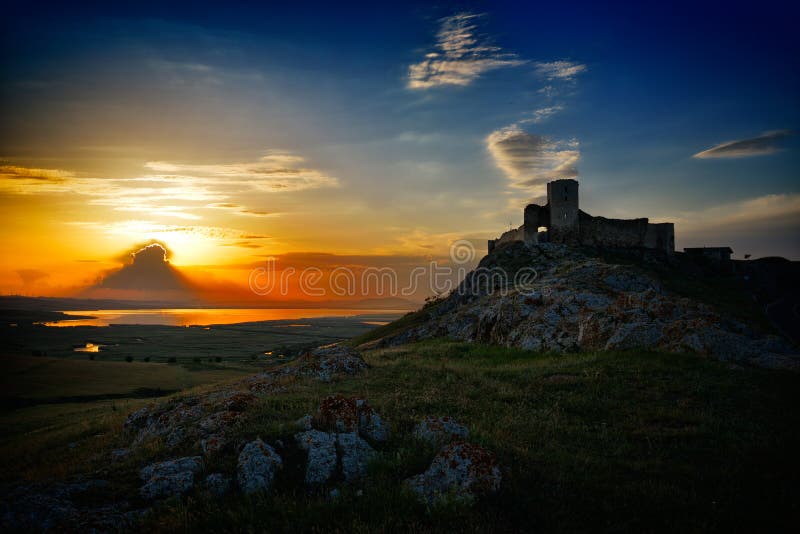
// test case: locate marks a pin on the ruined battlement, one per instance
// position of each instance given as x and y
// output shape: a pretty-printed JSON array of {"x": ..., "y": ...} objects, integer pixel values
[{"x": 562, "y": 221}]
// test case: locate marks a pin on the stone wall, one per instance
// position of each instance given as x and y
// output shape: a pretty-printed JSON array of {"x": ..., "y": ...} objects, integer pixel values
[
  {"x": 515, "y": 234},
  {"x": 660, "y": 236},
  {"x": 602, "y": 232}
]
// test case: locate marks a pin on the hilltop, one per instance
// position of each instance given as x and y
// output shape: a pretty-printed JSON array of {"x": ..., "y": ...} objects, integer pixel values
[{"x": 578, "y": 298}]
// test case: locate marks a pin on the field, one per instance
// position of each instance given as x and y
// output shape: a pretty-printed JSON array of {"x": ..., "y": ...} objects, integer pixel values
[
  {"x": 51, "y": 388},
  {"x": 627, "y": 441}
]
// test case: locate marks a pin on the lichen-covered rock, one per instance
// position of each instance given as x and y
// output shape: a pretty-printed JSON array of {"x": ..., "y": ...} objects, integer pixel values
[
  {"x": 168, "y": 485},
  {"x": 167, "y": 420},
  {"x": 212, "y": 444},
  {"x": 321, "y": 449},
  {"x": 461, "y": 472},
  {"x": 328, "y": 361},
  {"x": 192, "y": 464},
  {"x": 440, "y": 430},
  {"x": 370, "y": 424},
  {"x": 352, "y": 414},
  {"x": 257, "y": 466},
  {"x": 219, "y": 421},
  {"x": 218, "y": 484},
  {"x": 355, "y": 455}
]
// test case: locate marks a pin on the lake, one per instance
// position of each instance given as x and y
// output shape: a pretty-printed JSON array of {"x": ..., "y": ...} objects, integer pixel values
[{"x": 209, "y": 316}]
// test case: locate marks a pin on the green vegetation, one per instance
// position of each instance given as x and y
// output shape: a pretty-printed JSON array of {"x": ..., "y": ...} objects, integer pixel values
[{"x": 626, "y": 441}]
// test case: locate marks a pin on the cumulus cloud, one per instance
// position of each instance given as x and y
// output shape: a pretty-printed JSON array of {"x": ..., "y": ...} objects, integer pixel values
[
  {"x": 559, "y": 70},
  {"x": 460, "y": 55},
  {"x": 766, "y": 143},
  {"x": 530, "y": 160}
]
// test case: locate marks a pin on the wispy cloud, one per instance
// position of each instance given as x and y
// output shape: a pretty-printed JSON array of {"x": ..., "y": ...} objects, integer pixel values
[
  {"x": 460, "y": 55},
  {"x": 15, "y": 178},
  {"x": 275, "y": 172},
  {"x": 530, "y": 160},
  {"x": 177, "y": 190},
  {"x": 559, "y": 70},
  {"x": 766, "y": 143},
  {"x": 542, "y": 114}
]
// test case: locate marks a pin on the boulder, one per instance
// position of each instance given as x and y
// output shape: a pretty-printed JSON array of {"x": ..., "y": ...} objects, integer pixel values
[
  {"x": 355, "y": 455},
  {"x": 192, "y": 464},
  {"x": 460, "y": 472},
  {"x": 257, "y": 466},
  {"x": 352, "y": 414},
  {"x": 169, "y": 478},
  {"x": 321, "y": 449},
  {"x": 162, "y": 486}
]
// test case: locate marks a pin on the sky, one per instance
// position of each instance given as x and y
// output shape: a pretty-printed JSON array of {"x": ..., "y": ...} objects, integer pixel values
[{"x": 334, "y": 134}]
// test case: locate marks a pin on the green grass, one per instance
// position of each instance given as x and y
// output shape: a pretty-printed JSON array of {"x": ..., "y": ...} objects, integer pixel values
[
  {"x": 626, "y": 441},
  {"x": 41, "y": 378}
]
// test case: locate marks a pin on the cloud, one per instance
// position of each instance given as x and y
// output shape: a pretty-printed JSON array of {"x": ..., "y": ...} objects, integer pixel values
[
  {"x": 762, "y": 226},
  {"x": 542, "y": 114},
  {"x": 766, "y": 143},
  {"x": 559, "y": 70},
  {"x": 460, "y": 56},
  {"x": 275, "y": 172},
  {"x": 529, "y": 160},
  {"x": 12, "y": 172},
  {"x": 178, "y": 190}
]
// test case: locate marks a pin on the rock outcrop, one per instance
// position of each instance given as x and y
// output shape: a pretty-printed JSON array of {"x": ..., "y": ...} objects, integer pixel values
[
  {"x": 169, "y": 478},
  {"x": 258, "y": 463},
  {"x": 460, "y": 472},
  {"x": 550, "y": 297}
]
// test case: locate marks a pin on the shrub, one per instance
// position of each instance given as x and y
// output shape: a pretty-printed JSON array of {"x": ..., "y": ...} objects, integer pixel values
[
  {"x": 218, "y": 359},
  {"x": 129, "y": 359},
  {"x": 147, "y": 359},
  {"x": 196, "y": 360},
  {"x": 172, "y": 360}
]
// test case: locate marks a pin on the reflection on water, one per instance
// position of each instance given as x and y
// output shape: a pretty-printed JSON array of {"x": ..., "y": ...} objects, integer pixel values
[
  {"x": 209, "y": 316},
  {"x": 376, "y": 323},
  {"x": 89, "y": 347}
]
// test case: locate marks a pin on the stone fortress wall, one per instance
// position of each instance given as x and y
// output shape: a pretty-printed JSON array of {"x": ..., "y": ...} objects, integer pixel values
[{"x": 564, "y": 222}]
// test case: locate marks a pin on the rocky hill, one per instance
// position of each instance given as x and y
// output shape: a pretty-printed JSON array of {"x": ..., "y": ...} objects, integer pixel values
[{"x": 552, "y": 297}]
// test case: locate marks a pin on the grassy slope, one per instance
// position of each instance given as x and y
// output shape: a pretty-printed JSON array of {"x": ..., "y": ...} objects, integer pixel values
[
  {"x": 610, "y": 441},
  {"x": 51, "y": 378}
]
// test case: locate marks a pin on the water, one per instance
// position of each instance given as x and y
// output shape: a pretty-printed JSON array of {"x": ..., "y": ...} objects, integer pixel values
[{"x": 208, "y": 316}]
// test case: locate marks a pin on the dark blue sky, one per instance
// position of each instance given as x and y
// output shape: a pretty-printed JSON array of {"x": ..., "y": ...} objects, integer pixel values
[{"x": 504, "y": 97}]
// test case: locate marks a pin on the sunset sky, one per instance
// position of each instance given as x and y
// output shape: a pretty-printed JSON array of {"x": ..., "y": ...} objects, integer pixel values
[{"x": 329, "y": 135}]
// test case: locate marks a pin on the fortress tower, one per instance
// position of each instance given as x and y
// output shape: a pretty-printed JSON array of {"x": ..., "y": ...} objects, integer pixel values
[{"x": 562, "y": 197}]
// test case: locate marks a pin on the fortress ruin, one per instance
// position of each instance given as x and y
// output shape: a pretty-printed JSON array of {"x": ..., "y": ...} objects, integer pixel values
[{"x": 562, "y": 221}]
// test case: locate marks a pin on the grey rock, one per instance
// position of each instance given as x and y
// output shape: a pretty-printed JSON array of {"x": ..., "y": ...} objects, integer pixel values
[
  {"x": 257, "y": 466},
  {"x": 355, "y": 455},
  {"x": 192, "y": 464},
  {"x": 168, "y": 485},
  {"x": 461, "y": 472},
  {"x": 321, "y": 449}
]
